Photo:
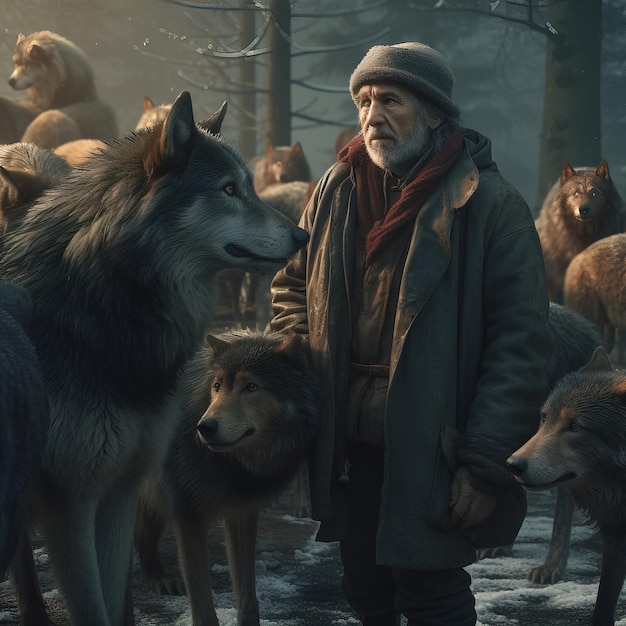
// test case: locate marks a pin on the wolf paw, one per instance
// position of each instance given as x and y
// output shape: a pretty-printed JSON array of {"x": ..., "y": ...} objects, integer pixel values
[{"x": 545, "y": 574}]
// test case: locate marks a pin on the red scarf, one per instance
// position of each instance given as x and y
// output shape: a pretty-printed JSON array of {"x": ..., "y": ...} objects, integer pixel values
[{"x": 380, "y": 228}]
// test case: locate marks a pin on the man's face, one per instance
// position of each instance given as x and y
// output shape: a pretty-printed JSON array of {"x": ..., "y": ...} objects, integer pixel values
[{"x": 395, "y": 126}]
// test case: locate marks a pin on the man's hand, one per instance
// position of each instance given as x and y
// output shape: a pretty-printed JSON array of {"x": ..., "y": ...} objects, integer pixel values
[{"x": 468, "y": 505}]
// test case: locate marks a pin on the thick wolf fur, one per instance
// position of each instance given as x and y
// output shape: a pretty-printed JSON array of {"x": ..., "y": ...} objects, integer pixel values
[
  {"x": 595, "y": 285},
  {"x": 582, "y": 207},
  {"x": 230, "y": 460},
  {"x": 580, "y": 445},
  {"x": 121, "y": 262},
  {"x": 62, "y": 103},
  {"x": 574, "y": 341},
  {"x": 26, "y": 171}
]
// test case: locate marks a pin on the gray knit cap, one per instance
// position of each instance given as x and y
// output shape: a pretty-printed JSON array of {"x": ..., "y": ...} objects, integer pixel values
[{"x": 415, "y": 66}]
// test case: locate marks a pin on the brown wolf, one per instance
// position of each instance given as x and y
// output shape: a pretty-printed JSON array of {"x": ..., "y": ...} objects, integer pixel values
[
  {"x": 580, "y": 445},
  {"x": 26, "y": 171},
  {"x": 62, "y": 100},
  {"x": 582, "y": 207},
  {"x": 595, "y": 286},
  {"x": 280, "y": 164},
  {"x": 230, "y": 460},
  {"x": 121, "y": 262},
  {"x": 75, "y": 152}
]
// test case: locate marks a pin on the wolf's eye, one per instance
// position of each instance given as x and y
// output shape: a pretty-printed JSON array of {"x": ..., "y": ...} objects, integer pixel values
[
  {"x": 217, "y": 386},
  {"x": 575, "y": 427},
  {"x": 250, "y": 387},
  {"x": 230, "y": 189}
]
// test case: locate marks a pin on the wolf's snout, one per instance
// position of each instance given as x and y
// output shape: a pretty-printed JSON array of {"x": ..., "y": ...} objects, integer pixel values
[
  {"x": 517, "y": 464},
  {"x": 207, "y": 429},
  {"x": 300, "y": 236}
]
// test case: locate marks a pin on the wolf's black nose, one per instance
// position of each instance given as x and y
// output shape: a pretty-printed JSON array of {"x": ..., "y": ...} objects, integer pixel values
[
  {"x": 207, "y": 428},
  {"x": 516, "y": 464},
  {"x": 12, "y": 81},
  {"x": 300, "y": 236}
]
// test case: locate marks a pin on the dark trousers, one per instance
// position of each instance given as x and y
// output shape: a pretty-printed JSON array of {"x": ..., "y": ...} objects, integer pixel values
[{"x": 379, "y": 593}]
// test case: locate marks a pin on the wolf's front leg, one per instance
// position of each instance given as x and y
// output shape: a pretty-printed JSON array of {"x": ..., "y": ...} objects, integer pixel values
[
  {"x": 69, "y": 525},
  {"x": 192, "y": 539},
  {"x": 241, "y": 533},
  {"x": 611, "y": 577},
  {"x": 115, "y": 523}
]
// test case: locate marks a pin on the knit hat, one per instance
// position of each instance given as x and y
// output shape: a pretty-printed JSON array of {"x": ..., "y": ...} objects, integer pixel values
[{"x": 415, "y": 66}]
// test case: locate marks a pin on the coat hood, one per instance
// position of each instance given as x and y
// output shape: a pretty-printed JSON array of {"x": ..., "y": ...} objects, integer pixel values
[{"x": 479, "y": 148}]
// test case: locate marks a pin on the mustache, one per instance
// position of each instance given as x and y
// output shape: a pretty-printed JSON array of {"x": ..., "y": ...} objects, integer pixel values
[{"x": 379, "y": 135}]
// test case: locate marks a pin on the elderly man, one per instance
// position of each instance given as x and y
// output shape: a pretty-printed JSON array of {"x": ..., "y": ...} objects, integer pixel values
[{"x": 423, "y": 297}]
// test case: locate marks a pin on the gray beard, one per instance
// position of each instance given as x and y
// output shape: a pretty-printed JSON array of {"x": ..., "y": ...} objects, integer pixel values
[{"x": 399, "y": 157}]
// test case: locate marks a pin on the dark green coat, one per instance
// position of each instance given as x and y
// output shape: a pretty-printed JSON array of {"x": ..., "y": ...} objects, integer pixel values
[{"x": 469, "y": 357}]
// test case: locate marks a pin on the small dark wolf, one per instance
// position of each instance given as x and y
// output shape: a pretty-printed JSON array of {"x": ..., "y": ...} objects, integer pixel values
[
  {"x": 121, "y": 261},
  {"x": 582, "y": 207},
  {"x": 580, "y": 445},
  {"x": 574, "y": 342},
  {"x": 230, "y": 460}
]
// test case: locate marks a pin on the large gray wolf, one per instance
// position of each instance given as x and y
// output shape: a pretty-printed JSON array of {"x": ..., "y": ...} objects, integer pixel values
[
  {"x": 574, "y": 341},
  {"x": 121, "y": 262},
  {"x": 26, "y": 171},
  {"x": 24, "y": 418},
  {"x": 251, "y": 409},
  {"x": 580, "y": 208},
  {"x": 62, "y": 103},
  {"x": 580, "y": 446},
  {"x": 595, "y": 285}
]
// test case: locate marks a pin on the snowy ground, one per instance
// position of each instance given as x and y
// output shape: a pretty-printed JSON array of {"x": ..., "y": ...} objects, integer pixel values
[{"x": 299, "y": 580}]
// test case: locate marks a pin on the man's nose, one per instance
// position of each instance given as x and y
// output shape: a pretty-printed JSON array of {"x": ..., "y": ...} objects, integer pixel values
[{"x": 375, "y": 114}]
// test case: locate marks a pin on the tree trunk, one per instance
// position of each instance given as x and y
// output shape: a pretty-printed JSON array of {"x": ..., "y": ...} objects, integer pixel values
[
  {"x": 246, "y": 126},
  {"x": 571, "y": 123},
  {"x": 278, "y": 108}
]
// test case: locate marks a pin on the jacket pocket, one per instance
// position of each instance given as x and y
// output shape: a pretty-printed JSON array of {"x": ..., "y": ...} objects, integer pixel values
[{"x": 439, "y": 510}]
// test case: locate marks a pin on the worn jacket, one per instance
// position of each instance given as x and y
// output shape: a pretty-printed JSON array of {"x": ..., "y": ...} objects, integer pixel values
[{"x": 469, "y": 357}]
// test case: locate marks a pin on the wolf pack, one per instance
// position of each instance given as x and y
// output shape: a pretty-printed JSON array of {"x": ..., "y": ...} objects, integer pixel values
[{"x": 125, "y": 407}]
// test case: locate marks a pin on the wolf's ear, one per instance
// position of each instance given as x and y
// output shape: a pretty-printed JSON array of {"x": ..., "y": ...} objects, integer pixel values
[
  {"x": 599, "y": 362},
  {"x": 217, "y": 345},
  {"x": 213, "y": 124},
  {"x": 25, "y": 184},
  {"x": 603, "y": 171},
  {"x": 147, "y": 103},
  {"x": 567, "y": 171},
  {"x": 294, "y": 348},
  {"x": 20, "y": 38},
  {"x": 169, "y": 147}
]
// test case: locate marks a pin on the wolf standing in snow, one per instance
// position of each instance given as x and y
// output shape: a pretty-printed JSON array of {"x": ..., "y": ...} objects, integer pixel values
[{"x": 121, "y": 263}]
